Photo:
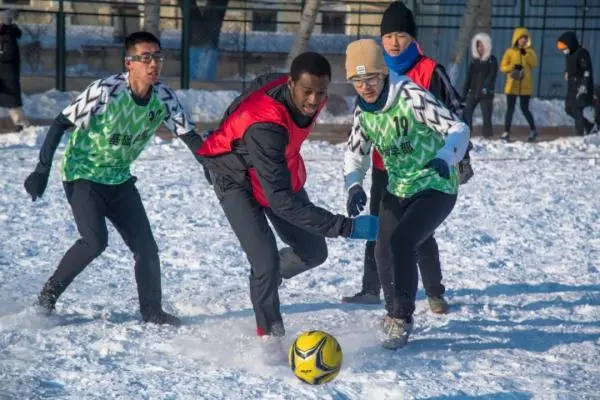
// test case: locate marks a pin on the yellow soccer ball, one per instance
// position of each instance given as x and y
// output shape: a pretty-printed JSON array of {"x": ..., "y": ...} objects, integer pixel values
[{"x": 315, "y": 357}]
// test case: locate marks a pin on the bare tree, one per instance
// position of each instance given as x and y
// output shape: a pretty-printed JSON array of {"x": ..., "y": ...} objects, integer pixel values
[
  {"x": 477, "y": 17},
  {"x": 152, "y": 17},
  {"x": 307, "y": 24},
  {"x": 206, "y": 23}
]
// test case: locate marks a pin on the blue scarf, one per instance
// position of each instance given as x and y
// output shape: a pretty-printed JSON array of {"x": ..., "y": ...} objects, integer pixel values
[
  {"x": 379, "y": 103},
  {"x": 404, "y": 61}
]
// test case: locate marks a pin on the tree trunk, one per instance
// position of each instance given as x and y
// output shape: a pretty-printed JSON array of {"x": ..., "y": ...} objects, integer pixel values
[
  {"x": 307, "y": 24},
  {"x": 206, "y": 23},
  {"x": 152, "y": 17},
  {"x": 477, "y": 17},
  {"x": 484, "y": 20}
]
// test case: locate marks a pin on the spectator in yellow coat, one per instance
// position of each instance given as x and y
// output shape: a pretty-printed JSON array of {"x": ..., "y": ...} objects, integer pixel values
[{"x": 518, "y": 63}]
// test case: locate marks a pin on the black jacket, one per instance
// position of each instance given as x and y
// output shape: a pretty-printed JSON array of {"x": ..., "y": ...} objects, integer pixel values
[
  {"x": 262, "y": 147},
  {"x": 442, "y": 89},
  {"x": 580, "y": 81},
  {"x": 10, "y": 65},
  {"x": 481, "y": 78}
]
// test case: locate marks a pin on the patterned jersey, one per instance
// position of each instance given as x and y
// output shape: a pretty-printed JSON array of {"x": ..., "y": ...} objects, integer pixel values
[
  {"x": 111, "y": 130},
  {"x": 412, "y": 129}
]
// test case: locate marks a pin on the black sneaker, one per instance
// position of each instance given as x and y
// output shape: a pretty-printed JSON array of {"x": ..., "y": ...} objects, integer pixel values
[
  {"x": 46, "y": 301},
  {"x": 362, "y": 297},
  {"x": 162, "y": 318}
]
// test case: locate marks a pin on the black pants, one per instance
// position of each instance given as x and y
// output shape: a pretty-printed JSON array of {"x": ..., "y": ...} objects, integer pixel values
[
  {"x": 405, "y": 224},
  {"x": 487, "y": 106},
  {"x": 92, "y": 203},
  {"x": 582, "y": 124},
  {"x": 511, "y": 101},
  {"x": 427, "y": 253},
  {"x": 249, "y": 223}
]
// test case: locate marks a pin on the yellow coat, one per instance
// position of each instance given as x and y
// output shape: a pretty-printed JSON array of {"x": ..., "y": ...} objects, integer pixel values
[{"x": 512, "y": 56}]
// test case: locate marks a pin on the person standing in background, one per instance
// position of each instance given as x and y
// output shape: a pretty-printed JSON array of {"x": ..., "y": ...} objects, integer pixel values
[
  {"x": 518, "y": 63},
  {"x": 580, "y": 81},
  {"x": 480, "y": 82},
  {"x": 10, "y": 70}
]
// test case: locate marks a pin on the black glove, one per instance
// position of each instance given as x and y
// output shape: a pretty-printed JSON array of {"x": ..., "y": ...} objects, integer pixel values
[
  {"x": 357, "y": 199},
  {"x": 517, "y": 67},
  {"x": 35, "y": 184},
  {"x": 523, "y": 51},
  {"x": 517, "y": 74},
  {"x": 440, "y": 166}
]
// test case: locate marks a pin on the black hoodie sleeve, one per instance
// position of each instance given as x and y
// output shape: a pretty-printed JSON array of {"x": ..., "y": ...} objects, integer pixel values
[
  {"x": 584, "y": 63},
  {"x": 266, "y": 145},
  {"x": 60, "y": 124},
  {"x": 442, "y": 89}
]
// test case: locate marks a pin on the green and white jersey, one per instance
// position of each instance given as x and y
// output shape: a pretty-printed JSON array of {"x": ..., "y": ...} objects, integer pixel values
[
  {"x": 409, "y": 131},
  {"x": 111, "y": 130}
]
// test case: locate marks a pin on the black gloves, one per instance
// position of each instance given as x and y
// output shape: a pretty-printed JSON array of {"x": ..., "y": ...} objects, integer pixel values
[
  {"x": 440, "y": 166},
  {"x": 357, "y": 199},
  {"x": 35, "y": 184}
]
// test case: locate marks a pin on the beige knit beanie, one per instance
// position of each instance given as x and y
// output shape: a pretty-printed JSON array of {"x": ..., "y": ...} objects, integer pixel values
[{"x": 364, "y": 57}]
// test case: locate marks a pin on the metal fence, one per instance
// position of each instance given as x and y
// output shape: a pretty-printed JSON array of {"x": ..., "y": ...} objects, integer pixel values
[{"x": 68, "y": 41}]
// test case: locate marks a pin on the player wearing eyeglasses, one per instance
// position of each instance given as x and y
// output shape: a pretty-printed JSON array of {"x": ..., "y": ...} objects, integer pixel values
[
  {"x": 421, "y": 143},
  {"x": 113, "y": 120}
]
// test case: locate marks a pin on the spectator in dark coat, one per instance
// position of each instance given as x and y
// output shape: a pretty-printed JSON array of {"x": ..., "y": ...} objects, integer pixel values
[
  {"x": 480, "y": 82},
  {"x": 10, "y": 65},
  {"x": 580, "y": 81}
]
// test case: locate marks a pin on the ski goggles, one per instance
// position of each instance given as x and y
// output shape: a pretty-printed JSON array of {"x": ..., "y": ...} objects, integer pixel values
[{"x": 147, "y": 58}]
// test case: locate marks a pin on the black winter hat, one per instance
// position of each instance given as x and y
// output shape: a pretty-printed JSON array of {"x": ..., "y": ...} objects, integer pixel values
[{"x": 398, "y": 18}]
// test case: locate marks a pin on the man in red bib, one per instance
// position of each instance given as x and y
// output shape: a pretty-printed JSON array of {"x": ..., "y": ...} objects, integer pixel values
[{"x": 258, "y": 174}]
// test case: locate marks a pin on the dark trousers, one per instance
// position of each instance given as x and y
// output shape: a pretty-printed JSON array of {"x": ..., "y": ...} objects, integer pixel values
[
  {"x": 487, "y": 106},
  {"x": 582, "y": 124},
  {"x": 92, "y": 203},
  {"x": 249, "y": 223},
  {"x": 405, "y": 224},
  {"x": 427, "y": 253},
  {"x": 511, "y": 101}
]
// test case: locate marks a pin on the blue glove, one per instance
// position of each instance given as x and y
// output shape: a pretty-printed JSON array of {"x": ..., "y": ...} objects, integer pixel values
[
  {"x": 357, "y": 199},
  {"x": 440, "y": 166},
  {"x": 365, "y": 227}
]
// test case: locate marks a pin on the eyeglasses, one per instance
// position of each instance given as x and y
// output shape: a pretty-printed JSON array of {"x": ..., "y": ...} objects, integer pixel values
[
  {"x": 147, "y": 58},
  {"x": 370, "y": 81}
]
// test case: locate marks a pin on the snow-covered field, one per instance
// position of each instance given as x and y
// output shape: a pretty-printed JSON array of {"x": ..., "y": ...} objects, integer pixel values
[
  {"x": 520, "y": 253},
  {"x": 208, "y": 106}
]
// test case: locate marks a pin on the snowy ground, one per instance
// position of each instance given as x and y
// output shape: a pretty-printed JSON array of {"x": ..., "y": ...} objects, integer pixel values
[
  {"x": 521, "y": 257},
  {"x": 209, "y": 106}
]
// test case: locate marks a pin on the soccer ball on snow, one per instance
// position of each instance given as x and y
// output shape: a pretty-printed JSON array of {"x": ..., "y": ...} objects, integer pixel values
[{"x": 315, "y": 357}]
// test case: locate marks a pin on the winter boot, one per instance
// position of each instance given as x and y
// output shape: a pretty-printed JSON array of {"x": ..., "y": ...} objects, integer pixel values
[
  {"x": 505, "y": 137},
  {"x": 532, "y": 136},
  {"x": 162, "y": 318},
  {"x": 362, "y": 297},
  {"x": 438, "y": 304},
  {"x": 395, "y": 333},
  {"x": 46, "y": 301}
]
